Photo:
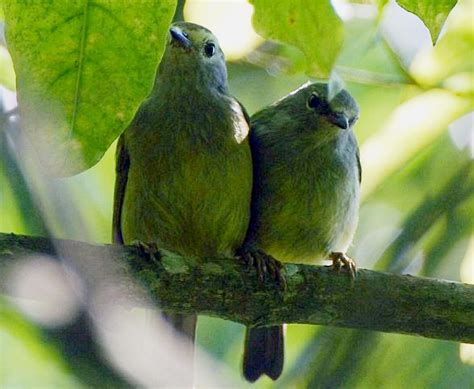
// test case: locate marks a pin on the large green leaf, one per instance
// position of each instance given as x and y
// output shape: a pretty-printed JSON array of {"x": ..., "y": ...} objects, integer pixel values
[
  {"x": 432, "y": 12},
  {"x": 83, "y": 67},
  {"x": 312, "y": 26}
]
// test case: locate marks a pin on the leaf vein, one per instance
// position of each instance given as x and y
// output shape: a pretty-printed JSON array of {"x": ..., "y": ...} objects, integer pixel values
[
  {"x": 65, "y": 21},
  {"x": 80, "y": 66}
]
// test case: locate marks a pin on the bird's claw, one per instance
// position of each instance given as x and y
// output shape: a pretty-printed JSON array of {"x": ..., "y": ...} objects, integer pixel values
[
  {"x": 342, "y": 261},
  {"x": 265, "y": 265}
]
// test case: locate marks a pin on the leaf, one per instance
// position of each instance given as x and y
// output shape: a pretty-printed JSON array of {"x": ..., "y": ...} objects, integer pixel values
[
  {"x": 450, "y": 62},
  {"x": 312, "y": 26},
  {"x": 459, "y": 187},
  {"x": 31, "y": 361},
  {"x": 20, "y": 212},
  {"x": 412, "y": 126},
  {"x": 7, "y": 74},
  {"x": 432, "y": 12},
  {"x": 83, "y": 67},
  {"x": 378, "y": 3}
]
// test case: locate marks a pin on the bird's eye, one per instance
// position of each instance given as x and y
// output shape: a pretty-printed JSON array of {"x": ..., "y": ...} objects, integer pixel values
[
  {"x": 314, "y": 101},
  {"x": 185, "y": 34},
  {"x": 209, "y": 49}
]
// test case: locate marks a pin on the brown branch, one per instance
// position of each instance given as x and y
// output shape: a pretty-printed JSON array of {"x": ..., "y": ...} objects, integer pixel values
[{"x": 225, "y": 288}]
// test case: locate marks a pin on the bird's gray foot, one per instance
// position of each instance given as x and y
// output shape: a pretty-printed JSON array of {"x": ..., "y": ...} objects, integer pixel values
[
  {"x": 342, "y": 261},
  {"x": 265, "y": 265}
]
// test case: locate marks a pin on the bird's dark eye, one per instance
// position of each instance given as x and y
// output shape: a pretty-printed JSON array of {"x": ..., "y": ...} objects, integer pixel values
[
  {"x": 209, "y": 49},
  {"x": 314, "y": 101}
]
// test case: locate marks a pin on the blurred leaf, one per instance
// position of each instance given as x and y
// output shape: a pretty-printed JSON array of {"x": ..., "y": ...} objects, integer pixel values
[
  {"x": 457, "y": 226},
  {"x": 401, "y": 361},
  {"x": 7, "y": 74},
  {"x": 380, "y": 3},
  {"x": 22, "y": 204},
  {"x": 368, "y": 57},
  {"x": 342, "y": 358},
  {"x": 412, "y": 126},
  {"x": 418, "y": 223},
  {"x": 312, "y": 26},
  {"x": 67, "y": 356},
  {"x": 432, "y": 12},
  {"x": 26, "y": 361},
  {"x": 451, "y": 62},
  {"x": 82, "y": 70}
]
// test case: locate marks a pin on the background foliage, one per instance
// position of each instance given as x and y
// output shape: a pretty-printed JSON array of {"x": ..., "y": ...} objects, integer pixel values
[{"x": 82, "y": 68}]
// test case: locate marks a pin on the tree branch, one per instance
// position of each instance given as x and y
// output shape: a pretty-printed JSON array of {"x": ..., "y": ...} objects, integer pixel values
[{"x": 227, "y": 289}]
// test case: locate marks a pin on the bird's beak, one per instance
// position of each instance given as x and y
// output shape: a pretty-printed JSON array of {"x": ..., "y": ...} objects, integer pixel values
[
  {"x": 178, "y": 36},
  {"x": 339, "y": 119}
]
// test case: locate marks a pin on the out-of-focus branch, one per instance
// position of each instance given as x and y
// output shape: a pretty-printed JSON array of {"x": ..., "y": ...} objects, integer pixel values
[{"x": 225, "y": 288}]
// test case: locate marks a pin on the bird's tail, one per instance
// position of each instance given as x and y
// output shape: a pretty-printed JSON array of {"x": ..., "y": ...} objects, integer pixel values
[{"x": 263, "y": 353}]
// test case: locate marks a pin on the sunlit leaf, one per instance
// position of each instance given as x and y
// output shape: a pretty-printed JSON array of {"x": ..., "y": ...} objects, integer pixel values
[
  {"x": 82, "y": 70},
  {"x": 378, "y": 3},
  {"x": 312, "y": 26},
  {"x": 413, "y": 125},
  {"x": 432, "y": 12},
  {"x": 451, "y": 61},
  {"x": 366, "y": 59},
  {"x": 7, "y": 74},
  {"x": 19, "y": 211},
  {"x": 25, "y": 359}
]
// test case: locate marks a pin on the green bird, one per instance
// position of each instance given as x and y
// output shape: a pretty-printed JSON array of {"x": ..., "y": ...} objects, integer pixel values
[
  {"x": 305, "y": 196},
  {"x": 184, "y": 167}
]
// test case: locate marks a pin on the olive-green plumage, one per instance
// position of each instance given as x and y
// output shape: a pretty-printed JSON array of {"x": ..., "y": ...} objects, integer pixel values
[
  {"x": 184, "y": 170},
  {"x": 305, "y": 197}
]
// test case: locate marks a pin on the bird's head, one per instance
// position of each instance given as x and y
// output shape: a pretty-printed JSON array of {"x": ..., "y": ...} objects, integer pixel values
[
  {"x": 194, "y": 51},
  {"x": 320, "y": 113}
]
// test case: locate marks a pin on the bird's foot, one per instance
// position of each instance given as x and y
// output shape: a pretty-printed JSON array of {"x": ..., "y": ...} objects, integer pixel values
[
  {"x": 151, "y": 249},
  {"x": 342, "y": 261},
  {"x": 265, "y": 265}
]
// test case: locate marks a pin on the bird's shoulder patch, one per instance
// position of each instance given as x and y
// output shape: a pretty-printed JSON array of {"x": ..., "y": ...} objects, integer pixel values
[{"x": 240, "y": 120}]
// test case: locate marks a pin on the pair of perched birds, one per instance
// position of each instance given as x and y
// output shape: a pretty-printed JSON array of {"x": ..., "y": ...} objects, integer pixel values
[{"x": 190, "y": 180}]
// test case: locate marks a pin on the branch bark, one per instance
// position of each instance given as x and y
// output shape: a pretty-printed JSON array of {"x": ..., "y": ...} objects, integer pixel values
[{"x": 225, "y": 288}]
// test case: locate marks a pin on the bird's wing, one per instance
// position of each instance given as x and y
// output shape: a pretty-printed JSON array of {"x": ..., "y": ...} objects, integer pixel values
[{"x": 122, "y": 166}]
